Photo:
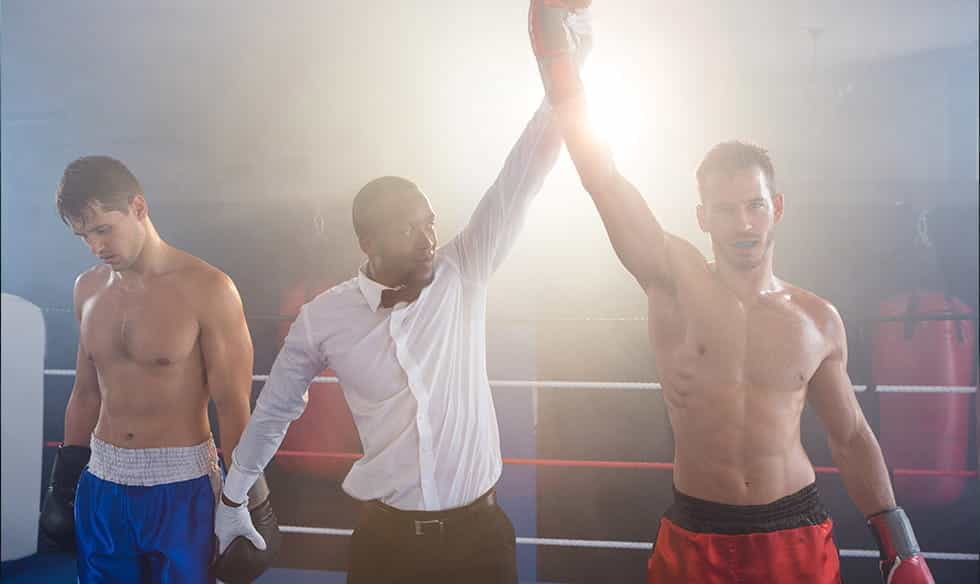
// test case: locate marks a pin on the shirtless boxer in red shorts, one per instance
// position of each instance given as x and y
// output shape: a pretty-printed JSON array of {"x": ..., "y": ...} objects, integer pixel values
[{"x": 740, "y": 352}]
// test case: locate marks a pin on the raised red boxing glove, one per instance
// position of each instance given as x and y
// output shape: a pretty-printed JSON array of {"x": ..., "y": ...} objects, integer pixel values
[
  {"x": 901, "y": 559},
  {"x": 561, "y": 38}
]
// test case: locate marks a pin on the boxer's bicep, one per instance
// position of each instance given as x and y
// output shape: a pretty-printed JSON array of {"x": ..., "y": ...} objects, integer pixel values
[
  {"x": 226, "y": 344},
  {"x": 832, "y": 396},
  {"x": 831, "y": 392},
  {"x": 86, "y": 377},
  {"x": 227, "y": 352},
  {"x": 85, "y": 400},
  {"x": 634, "y": 232},
  {"x": 84, "y": 403},
  {"x": 853, "y": 445}
]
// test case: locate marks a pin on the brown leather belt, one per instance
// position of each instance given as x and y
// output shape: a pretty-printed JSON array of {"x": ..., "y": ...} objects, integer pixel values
[{"x": 426, "y": 523}]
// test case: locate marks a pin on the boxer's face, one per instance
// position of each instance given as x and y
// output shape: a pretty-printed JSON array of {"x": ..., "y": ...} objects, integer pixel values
[
  {"x": 404, "y": 240},
  {"x": 740, "y": 212},
  {"x": 115, "y": 237}
]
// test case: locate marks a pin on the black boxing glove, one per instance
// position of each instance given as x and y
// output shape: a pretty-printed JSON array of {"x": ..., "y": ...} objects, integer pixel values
[
  {"x": 57, "y": 521},
  {"x": 248, "y": 536}
]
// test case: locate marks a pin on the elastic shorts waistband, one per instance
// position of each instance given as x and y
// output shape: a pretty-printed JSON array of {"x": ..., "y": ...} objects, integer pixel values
[
  {"x": 148, "y": 467},
  {"x": 798, "y": 509}
]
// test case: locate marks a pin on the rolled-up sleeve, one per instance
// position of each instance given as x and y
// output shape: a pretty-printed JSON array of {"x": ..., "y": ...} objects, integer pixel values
[
  {"x": 497, "y": 221},
  {"x": 282, "y": 400}
]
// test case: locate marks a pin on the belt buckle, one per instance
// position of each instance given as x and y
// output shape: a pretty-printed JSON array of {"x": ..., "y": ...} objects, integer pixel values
[{"x": 426, "y": 527}]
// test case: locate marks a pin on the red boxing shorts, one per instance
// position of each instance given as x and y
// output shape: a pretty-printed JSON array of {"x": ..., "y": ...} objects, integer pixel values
[{"x": 788, "y": 540}]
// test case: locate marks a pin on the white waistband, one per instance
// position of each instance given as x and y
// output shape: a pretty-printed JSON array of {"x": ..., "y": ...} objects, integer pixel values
[{"x": 152, "y": 466}]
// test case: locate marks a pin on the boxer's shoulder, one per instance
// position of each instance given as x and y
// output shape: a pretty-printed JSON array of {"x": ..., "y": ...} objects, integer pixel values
[
  {"x": 203, "y": 285},
  {"x": 194, "y": 271},
  {"x": 820, "y": 312},
  {"x": 89, "y": 282},
  {"x": 201, "y": 277},
  {"x": 99, "y": 274}
]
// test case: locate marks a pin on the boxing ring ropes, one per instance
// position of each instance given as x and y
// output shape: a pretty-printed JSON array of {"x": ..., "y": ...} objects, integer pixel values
[
  {"x": 639, "y": 465},
  {"x": 633, "y": 386}
]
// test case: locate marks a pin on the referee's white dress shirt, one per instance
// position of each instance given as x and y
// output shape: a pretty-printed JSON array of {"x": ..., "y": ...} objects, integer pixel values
[{"x": 414, "y": 376}]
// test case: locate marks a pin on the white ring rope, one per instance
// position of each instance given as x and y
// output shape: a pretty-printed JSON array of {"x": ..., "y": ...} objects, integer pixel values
[
  {"x": 634, "y": 385},
  {"x": 609, "y": 544},
  {"x": 627, "y": 545},
  {"x": 924, "y": 389}
]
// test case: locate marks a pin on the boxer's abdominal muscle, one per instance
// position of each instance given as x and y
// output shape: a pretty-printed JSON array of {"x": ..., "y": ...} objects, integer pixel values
[
  {"x": 735, "y": 378},
  {"x": 144, "y": 345}
]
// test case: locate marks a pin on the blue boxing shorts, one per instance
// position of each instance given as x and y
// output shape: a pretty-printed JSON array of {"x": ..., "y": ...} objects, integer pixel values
[{"x": 147, "y": 515}]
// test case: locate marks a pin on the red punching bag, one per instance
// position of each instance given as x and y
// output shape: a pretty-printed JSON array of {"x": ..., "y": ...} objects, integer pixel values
[
  {"x": 327, "y": 424},
  {"x": 925, "y": 430}
]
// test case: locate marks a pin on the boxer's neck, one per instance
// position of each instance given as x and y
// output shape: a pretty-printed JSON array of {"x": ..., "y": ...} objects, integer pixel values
[
  {"x": 748, "y": 284},
  {"x": 153, "y": 259}
]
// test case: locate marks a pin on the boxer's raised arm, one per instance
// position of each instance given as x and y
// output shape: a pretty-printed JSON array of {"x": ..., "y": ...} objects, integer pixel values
[{"x": 557, "y": 34}]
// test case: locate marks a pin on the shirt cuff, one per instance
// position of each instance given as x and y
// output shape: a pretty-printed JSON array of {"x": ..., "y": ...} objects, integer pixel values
[{"x": 237, "y": 484}]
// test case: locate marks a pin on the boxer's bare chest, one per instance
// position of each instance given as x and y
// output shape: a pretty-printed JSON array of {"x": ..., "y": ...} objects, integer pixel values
[
  {"x": 710, "y": 340},
  {"x": 150, "y": 325}
]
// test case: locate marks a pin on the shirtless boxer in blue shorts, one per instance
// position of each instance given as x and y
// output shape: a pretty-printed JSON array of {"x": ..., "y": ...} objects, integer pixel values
[{"x": 161, "y": 334}]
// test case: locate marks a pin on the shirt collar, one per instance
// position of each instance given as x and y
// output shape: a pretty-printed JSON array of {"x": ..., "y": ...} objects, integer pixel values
[{"x": 369, "y": 288}]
